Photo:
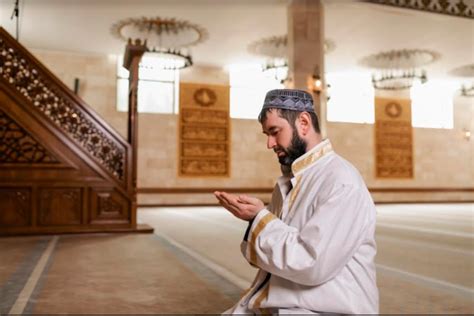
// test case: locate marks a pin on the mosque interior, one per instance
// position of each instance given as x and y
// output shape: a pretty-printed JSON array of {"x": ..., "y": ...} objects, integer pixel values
[{"x": 119, "y": 119}]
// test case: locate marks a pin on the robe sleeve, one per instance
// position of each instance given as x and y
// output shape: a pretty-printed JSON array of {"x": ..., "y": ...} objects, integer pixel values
[
  {"x": 324, "y": 245},
  {"x": 270, "y": 208}
]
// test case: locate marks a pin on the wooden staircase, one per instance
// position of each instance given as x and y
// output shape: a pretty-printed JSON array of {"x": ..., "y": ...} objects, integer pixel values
[{"x": 63, "y": 169}]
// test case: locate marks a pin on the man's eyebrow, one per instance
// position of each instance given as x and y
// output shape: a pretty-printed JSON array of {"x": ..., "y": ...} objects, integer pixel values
[{"x": 270, "y": 130}]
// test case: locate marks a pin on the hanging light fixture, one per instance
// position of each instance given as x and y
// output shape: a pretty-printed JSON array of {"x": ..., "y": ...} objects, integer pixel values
[
  {"x": 466, "y": 73},
  {"x": 399, "y": 69},
  {"x": 398, "y": 79},
  {"x": 467, "y": 91},
  {"x": 276, "y": 68},
  {"x": 275, "y": 49},
  {"x": 168, "y": 39}
]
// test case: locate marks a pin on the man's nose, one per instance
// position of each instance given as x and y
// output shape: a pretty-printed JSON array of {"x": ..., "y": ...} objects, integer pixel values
[{"x": 271, "y": 142}]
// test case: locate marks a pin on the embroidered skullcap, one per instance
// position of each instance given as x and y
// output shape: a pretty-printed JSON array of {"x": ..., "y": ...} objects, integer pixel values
[{"x": 289, "y": 99}]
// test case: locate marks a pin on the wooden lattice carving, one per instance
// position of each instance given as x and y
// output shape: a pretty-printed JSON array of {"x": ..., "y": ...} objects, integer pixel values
[{"x": 44, "y": 95}]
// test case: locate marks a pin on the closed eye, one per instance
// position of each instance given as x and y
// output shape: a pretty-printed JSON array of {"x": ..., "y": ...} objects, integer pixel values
[{"x": 272, "y": 131}]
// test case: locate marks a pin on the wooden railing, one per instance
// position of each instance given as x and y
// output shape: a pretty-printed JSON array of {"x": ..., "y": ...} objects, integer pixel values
[{"x": 45, "y": 93}]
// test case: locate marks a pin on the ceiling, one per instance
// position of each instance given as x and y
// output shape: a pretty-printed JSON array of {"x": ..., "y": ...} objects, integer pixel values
[{"x": 357, "y": 29}]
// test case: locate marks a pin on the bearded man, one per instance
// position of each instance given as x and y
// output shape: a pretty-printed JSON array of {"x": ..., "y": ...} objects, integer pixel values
[{"x": 314, "y": 244}]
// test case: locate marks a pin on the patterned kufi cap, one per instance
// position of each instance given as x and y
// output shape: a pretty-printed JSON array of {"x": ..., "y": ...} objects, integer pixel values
[{"x": 289, "y": 99}]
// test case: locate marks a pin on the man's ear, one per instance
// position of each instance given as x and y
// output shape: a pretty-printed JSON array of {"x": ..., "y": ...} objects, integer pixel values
[{"x": 304, "y": 123}]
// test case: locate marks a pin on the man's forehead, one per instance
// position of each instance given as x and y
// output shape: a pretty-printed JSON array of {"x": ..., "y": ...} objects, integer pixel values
[{"x": 272, "y": 121}]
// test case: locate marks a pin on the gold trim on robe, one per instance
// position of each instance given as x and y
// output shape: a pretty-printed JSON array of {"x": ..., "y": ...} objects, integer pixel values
[{"x": 255, "y": 232}]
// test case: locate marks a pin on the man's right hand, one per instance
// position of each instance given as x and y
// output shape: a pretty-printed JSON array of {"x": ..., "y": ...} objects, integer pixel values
[{"x": 242, "y": 206}]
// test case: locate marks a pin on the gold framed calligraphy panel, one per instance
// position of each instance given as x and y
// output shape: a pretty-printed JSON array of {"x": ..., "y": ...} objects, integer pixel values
[
  {"x": 393, "y": 139},
  {"x": 204, "y": 130}
]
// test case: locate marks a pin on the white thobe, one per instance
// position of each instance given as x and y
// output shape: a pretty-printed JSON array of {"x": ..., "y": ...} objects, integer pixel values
[{"x": 314, "y": 243}]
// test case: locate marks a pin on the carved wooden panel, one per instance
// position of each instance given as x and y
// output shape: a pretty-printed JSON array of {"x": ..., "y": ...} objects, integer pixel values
[
  {"x": 60, "y": 206},
  {"x": 204, "y": 133},
  {"x": 108, "y": 206},
  {"x": 15, "y": 207},
  {"x": 19, "y": 146},
  {"x": 393, "y": 138},
  {"x": 22, "y": 73}
]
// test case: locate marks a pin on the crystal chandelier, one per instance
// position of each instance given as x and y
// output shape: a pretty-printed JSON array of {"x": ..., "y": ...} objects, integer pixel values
[
  {"x": 399, "y": 69},
  {"x": 397, "y": 79},
  {"x": 168, "y": 39}
]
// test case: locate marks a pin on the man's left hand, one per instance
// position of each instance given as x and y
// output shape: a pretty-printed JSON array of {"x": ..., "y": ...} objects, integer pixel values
[{"x": 242, "y": 206}]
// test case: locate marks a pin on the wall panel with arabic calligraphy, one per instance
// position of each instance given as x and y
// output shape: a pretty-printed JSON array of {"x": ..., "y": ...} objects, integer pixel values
[
  {"x": 393, "y": 138},
  {"x": 204, "y": 130}
]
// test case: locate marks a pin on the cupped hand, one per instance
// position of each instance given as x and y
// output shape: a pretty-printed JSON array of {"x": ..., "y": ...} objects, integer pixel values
[{"x": 242, "y": 206}]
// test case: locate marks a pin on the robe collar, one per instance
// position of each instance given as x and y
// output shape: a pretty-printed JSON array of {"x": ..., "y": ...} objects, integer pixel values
[{"x": 310, "y": 157}]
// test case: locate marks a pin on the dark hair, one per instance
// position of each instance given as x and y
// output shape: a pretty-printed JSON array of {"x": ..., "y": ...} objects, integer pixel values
[{"x": 290, "y": 116}]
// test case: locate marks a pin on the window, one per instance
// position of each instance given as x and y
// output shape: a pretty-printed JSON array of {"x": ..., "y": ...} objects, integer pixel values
[
  {"x": 351, "y": 98},
  {"x": 157, "y": 88},
  {"x": 432, "y": 104},
  {"x": 248, "y": 86}
]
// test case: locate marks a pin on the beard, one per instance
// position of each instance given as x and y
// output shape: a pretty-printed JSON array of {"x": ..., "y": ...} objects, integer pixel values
[{"x": 296, "y": 149}]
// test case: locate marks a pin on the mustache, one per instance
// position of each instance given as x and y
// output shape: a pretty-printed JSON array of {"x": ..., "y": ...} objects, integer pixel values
[{"x": 277, "y": 149}]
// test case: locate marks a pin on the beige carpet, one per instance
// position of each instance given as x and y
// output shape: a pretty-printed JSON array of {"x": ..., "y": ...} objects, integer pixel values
[
  {"x": 192, "y": 265},
  {"x": 117, "y": 274},
  {"x": 425, "y": 260}
]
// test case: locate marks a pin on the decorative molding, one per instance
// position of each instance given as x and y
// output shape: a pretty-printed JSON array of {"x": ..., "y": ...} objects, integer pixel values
[
  {"x": 19, "y": 146},
  {"x": 206, "y": 190},
  {"x": 424, "y": 202},
  {"x": 376, "y": 203},
  {"x": 18, "y": 71},
  {"x": 421, "y": 190},
  {"x": 457, "y": 8},
  {"x": 201, "y": 190},
  {"x": 179, "y": 205}
]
